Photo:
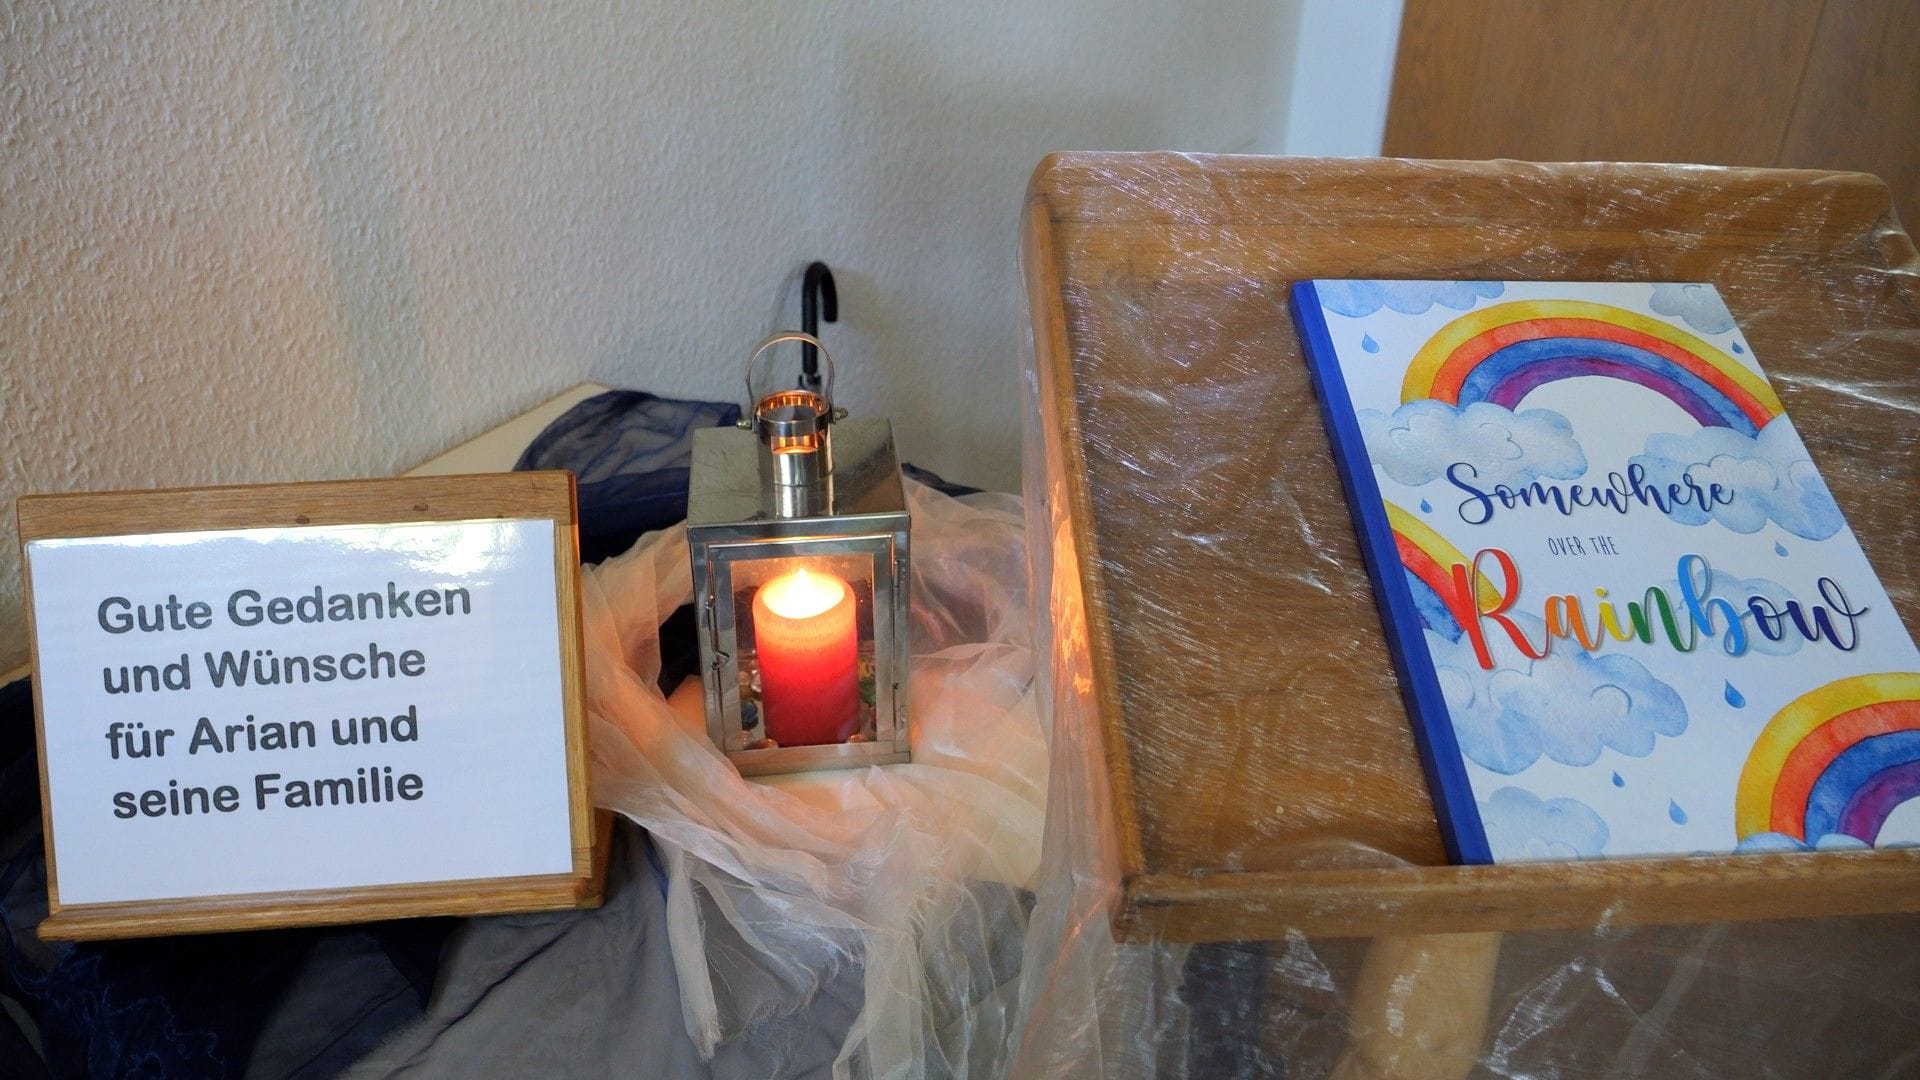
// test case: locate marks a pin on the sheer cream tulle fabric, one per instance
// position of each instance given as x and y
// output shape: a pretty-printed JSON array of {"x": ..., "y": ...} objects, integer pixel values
[{"x": 912, "y": 875}]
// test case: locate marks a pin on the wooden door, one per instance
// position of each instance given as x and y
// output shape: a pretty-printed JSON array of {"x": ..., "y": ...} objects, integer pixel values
[{"x": 1828, "y": 84}]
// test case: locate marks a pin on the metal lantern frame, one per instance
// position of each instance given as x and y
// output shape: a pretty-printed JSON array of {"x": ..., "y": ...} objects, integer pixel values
[{"x": 797, "y": 480}]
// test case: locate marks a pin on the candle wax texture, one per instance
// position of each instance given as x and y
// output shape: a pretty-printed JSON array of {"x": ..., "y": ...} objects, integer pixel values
[{"x": 808, "y": 644}]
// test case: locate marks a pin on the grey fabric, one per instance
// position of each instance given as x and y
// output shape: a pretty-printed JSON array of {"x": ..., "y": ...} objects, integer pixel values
[
  {"x": 561, "y": 994},
  {"x": 343, "y": 998}
]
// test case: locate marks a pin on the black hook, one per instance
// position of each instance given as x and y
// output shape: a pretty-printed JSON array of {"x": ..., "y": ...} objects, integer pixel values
[{"x": 818, "y": 300}]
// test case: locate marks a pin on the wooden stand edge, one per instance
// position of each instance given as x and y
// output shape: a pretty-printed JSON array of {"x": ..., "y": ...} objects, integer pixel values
[
  {"x": 1267, "y": 906},
  {"x": 1123, "y": 850}
]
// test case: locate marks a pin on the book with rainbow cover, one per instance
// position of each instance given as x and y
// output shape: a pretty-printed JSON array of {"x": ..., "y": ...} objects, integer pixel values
[{"x": 1627, "y": 615}]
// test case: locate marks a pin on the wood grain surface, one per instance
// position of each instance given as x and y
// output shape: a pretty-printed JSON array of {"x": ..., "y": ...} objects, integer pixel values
[
  {"x": 1826, "y": 84},
  {"x": 1599, "y": 80},
  {"x": 1859, "y": 101}
]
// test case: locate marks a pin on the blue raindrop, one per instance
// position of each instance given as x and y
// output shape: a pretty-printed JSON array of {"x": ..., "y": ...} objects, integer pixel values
[
  {"x": 1780, "y": 549},
  {"x": 1735, "y": 698},
  {"x": 1737, "y": 349},
  {"x": 1426, "y": 507},
  {"x": 1367, "y": 343},
  {"x": 1678, "y": 815},
  {"x": 1617, "y": 781}
]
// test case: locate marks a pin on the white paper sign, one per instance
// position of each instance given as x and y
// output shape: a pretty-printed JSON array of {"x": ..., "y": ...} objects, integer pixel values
[{"x": 267, "y": 710}]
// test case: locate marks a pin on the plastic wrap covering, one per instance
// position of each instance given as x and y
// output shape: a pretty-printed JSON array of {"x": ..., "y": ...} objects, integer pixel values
[
  {"x": 879, "y": 912},
  {"x": 1242, "y": 874}
]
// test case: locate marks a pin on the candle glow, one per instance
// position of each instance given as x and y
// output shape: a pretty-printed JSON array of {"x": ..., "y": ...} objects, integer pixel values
[{"x": 808, "y": 644}]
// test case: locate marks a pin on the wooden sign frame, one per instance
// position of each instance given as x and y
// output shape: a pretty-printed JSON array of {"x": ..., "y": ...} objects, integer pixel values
[{"x": 414, "y": 500}]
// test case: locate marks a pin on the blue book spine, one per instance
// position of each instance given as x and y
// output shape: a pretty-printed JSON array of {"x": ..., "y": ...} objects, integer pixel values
[{"x": 1459, "y": 817}]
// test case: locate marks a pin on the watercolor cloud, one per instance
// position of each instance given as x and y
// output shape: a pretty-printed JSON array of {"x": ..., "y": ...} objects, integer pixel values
[
  {"x": 1699, "y": 306},
  {"x": 1770, "y": 475},
  {"x": 1522, "y": 826},
  {"x": 1567, "y": 707},
  {"x": 1357, "y": 299},
  {"x": 1419, "y": 441}
]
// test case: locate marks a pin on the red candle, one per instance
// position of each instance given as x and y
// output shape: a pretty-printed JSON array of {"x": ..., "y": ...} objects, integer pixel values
[{"x": 804, "y": 630}]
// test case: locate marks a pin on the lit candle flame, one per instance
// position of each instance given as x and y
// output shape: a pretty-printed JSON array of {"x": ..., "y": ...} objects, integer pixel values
[{"x": 801, "y": 595}]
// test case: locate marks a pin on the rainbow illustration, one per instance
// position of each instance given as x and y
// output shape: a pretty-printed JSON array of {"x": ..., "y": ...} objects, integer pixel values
[
  {"x": 1499, "y": 354},
  {"x": 1837, "y": 759},
  {"x": 1429, "y": 560}
]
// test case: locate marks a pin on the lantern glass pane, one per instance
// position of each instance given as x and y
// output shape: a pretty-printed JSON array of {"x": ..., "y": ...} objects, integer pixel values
[{"x": 806, "y": 649}]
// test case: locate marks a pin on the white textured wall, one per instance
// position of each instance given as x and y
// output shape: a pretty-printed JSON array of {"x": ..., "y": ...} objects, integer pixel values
[
  {"x": 1342, "y": 78},
  {"x": 264, "y": 241}
]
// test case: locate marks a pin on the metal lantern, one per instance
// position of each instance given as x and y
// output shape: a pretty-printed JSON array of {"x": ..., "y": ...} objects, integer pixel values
[{"x": 798, "y": 528}]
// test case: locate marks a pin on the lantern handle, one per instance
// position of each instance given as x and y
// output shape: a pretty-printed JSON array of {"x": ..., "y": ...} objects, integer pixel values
[
  {"x": 779, "y": 337},
  {"x": 818, "y": 300}
]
